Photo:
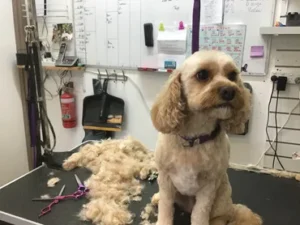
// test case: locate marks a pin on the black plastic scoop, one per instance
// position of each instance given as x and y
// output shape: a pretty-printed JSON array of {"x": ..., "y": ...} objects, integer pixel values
[{"x": 103, "y": 111}]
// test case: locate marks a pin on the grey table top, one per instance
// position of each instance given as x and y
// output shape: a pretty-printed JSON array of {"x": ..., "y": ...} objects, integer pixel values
[{"x": 277, "y": 200}]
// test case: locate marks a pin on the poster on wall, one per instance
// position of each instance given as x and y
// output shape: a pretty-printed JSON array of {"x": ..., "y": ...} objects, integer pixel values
[{"x": 227, "y": 38}]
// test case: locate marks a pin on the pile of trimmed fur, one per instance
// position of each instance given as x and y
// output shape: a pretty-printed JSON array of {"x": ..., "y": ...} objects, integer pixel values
[
  {"x": 150, "y": 211},
  {"x": 117, "y": 166}
]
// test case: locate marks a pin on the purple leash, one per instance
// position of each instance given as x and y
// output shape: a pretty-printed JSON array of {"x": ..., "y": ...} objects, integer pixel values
[
  {"x": 196, "y": 26},
  {"x": 32, "y": 108}
]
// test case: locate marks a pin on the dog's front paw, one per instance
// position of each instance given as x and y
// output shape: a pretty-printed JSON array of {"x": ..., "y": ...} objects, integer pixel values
[
  {"x": 200, "y": 222},
  {"x": 158, "y": 223},
  {"x": 164, "y": 222}
]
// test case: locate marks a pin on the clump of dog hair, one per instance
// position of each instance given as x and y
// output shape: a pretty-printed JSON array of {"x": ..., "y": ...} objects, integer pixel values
[
  {"x": 137, "y": 199},
  {"x": 117, "y": 167},
  {"x": 51, "y": 174},
  {"x": 150, "y": 211},
  {"x": 155, "y": 199},
  {"x": 146, "y": 222},
  {"x": 273, "y": 172},
  {"x": 53, "y": 181},
  {"x": 46, "y": 196}
]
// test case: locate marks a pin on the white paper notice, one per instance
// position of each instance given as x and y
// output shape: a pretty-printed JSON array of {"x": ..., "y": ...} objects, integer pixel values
[
  {"x": 212, "y": 12},
  {"x": 172, "y": 42}
]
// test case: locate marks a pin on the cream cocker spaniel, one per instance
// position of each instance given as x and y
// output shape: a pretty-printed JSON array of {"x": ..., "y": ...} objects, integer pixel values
[{"x": 202, "y": 100}]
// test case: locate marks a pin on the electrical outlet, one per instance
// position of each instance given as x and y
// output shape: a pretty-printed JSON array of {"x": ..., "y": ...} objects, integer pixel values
[
  {"x": 292, "y": 78},
  {"x": 297, "y": 80},
  {"x": 70, "y": 84}
]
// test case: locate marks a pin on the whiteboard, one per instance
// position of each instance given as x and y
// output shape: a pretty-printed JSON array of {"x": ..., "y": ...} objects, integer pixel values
[
  {"x": 110, "y": 33},
  {"x": 254, "y": 14}
]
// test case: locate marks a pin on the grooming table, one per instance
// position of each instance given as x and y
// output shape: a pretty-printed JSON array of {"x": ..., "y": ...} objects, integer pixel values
[{"x": 277, "y": 200}]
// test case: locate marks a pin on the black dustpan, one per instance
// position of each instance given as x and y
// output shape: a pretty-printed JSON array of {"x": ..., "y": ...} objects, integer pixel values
[{"x": 103, "y": 111}]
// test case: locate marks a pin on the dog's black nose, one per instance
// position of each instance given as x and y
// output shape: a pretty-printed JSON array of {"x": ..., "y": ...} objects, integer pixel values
[{"x": 227, "y": 93}]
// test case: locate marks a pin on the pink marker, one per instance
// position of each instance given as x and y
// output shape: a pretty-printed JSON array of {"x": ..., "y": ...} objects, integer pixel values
[{"x": 181, "y": 25}]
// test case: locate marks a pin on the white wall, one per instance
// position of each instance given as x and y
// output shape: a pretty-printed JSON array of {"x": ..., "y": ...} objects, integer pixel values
[
  {"x": 245, "y": 149},
  {"x": 137, "y": 119},
  {"x": 13, "y": 156}
]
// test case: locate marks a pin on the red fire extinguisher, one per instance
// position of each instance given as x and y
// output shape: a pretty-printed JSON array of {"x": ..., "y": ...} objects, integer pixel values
[{"x": 68, "y": 107}]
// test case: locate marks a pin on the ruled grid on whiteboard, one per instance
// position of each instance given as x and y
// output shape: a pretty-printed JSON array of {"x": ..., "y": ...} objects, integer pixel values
[
  {"x": 79, "y": 29},
  {"x": 108, "y": 32}
]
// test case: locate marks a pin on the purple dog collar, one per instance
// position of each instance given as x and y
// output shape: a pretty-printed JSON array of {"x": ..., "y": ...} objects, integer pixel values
[{"x": 202, "y": 138}]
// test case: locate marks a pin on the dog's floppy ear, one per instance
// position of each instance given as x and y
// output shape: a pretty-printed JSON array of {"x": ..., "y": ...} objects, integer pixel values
[
  {"x": 168, "y": 111},
  {"x": 236, "y": 125}
]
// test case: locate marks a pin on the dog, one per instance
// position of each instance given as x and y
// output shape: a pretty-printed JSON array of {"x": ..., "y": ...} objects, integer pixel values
[{"x": 202, "y": 100}]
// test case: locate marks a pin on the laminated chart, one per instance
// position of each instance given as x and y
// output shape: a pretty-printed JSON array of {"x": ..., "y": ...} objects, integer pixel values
[{"x": 227, "y": 38}]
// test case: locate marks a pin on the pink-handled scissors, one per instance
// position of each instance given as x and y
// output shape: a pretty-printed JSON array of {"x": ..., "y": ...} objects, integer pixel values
[
  {"x": 81, "y": 191},
  {"x": 54, "y": 200}
]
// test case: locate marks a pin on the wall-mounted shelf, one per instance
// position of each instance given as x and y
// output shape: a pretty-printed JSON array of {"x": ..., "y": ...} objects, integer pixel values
[
  {"x": 279, "y": 30},
  {"x": 75, "y": 68},
  {"x": 146, "y": 69}
]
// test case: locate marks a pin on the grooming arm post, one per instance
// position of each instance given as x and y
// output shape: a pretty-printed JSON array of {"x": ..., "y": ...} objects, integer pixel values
[{"x": 34, "y": 41}]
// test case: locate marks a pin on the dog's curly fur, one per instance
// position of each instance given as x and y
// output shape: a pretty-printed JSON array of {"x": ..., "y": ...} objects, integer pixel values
[{"x": 195, "y": 177}]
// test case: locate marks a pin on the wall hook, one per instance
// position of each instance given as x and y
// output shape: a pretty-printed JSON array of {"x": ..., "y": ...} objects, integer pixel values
[
  {"x": 116, "y": 76},
  {"x": 99, "y": 74},
  {"x": 107, "y": 74},
  {"x": 244, "y": 68},
  {"x": 124, "y": 78}
]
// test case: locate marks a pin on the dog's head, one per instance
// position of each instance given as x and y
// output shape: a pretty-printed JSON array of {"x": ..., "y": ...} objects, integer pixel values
[{"x": 208, "y": 82}]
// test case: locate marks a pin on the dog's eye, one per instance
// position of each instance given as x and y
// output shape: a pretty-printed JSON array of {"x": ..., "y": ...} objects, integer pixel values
[
  {"x": 202, "y": 75},
  {"x": 232, "y": 76}
]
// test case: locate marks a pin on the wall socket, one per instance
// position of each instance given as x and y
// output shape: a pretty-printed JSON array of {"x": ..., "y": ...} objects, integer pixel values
[{"x": 292, "y": 78}]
